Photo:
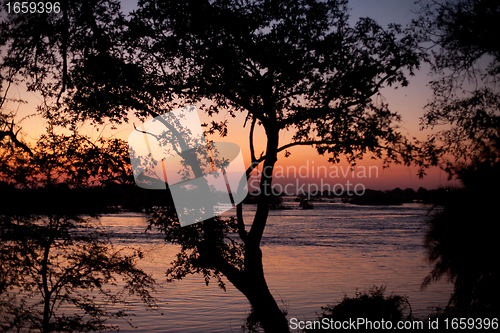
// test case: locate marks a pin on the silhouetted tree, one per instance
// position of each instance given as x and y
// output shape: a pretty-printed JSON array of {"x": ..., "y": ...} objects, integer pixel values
[
  {"x": 284, "y": 65},
  {"x": 58, "y": 274},
  {"x": 287, "y": 65},
  {"x": 422, "y": 193},
  {"x": 59, "y": 271},
  {"x": 466, "y": 62}
]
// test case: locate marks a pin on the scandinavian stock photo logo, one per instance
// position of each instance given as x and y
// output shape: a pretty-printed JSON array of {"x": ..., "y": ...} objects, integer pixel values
[{"x": 171, "y": 152}]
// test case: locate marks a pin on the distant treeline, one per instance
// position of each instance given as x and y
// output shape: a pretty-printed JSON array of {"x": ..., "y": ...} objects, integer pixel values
[
  {"x": 395, "y": 196},
  {"x": 398, "y": 196},
  {"x": 61, "y": 199}
]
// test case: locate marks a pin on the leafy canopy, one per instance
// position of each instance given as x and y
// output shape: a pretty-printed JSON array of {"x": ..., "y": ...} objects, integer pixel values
[{"x": 466, "y": 65}]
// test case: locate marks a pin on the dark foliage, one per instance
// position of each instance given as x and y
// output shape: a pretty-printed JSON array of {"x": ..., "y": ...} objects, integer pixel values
[
  {"x": 466, "y": 66},
  {"x": 59, "y": 271},
  {"x": 462, "y": 243},
  {"x": 461, "y": 240},
  {"x": 59, "y": 275},
  {"x": 372, "y": 305}
]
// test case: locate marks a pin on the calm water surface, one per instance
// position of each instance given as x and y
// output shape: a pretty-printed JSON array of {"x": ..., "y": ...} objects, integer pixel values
[{"x": 311, "y": 258}]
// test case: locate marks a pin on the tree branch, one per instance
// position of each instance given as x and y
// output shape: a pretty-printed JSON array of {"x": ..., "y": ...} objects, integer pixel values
[
  {"x": 241, "y": 224},
  {"x": 252, "y": 150}
]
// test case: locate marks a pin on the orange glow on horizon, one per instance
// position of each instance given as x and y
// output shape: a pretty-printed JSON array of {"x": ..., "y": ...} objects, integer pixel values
[{"x": 408, "y": 101}]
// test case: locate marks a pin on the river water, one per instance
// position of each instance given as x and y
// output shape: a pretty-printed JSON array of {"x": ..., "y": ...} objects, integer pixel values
[{"x": 311, "y": 258}]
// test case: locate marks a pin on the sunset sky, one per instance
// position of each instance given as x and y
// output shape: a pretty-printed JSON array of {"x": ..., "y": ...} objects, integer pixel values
[{"x": 408, "y": 102}]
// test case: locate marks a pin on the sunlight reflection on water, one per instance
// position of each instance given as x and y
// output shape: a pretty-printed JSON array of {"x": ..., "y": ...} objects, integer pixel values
[{"x": 311, "y": 258}]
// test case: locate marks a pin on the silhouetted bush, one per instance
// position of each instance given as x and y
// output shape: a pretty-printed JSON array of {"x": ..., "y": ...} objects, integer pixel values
[{"x": 371, "y": 305}]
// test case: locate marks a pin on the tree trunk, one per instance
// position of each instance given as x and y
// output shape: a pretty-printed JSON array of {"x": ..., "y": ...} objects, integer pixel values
[
  {"x": 255, "y": 286},
  {"x": 251, "y": 281},
  {"x": 255, "y": 289},
  {"x": 46, "y": 292}
]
